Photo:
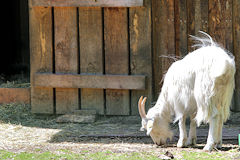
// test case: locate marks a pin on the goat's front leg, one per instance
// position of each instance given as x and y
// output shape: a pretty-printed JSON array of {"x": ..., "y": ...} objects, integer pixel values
[
  {"x": 192, "y": 137},
  {"x": 213, "y": 134},
  {"x": 182, "y": 132}
]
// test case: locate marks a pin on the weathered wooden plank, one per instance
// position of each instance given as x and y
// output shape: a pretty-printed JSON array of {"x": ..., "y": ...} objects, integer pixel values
[
  {"x": 88, "y": 3},
  {"x": 66, "y": 55},
  {"x": 91, "y": 55},
  {"x": 40, "y": 55},
  {"x": 181, "y": 35},
  {"x": 197, "y": 18},
  {"x": 116, "y": 57},
  {"x": 220, "y": 22},
  {"x": 89, "y": 81},
  {"x": 15, "y": 95},
  {"x": 236, "y": 51},
  {"x": 140, "y": 51},
  {"x": 163, "y": 40}
]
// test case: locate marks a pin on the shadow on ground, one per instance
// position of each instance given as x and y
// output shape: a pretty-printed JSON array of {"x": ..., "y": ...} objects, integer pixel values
[
  {"x": 105, "y": 127},
  {"x": 104, "y": 130}
]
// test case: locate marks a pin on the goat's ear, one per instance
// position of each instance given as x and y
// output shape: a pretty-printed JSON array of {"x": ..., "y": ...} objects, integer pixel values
[
  {"x": 149, "y": 126},
  {"x": 149, "y": 130},
  {"x": 144, "y": 124}
]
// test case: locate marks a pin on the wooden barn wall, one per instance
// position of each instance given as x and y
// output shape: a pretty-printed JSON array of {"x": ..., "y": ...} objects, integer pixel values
[
  {"x": 174, "y": 21},
  {"x": 122, "y": 41}
]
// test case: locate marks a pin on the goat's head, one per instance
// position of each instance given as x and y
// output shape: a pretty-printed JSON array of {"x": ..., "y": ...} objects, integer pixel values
[{"x": 155, "y": 125}]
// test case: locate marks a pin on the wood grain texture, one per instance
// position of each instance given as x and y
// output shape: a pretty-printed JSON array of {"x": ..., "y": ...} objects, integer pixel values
[
  {"x": 236, "y": 51},
  {"x": 40, "y": 56},
  {"x": 90, "y": 81},
  {"x": 66, "y": 55},
  {"x": 163, "y": 40},
  {"x": 140, "y": 51},
  {"x": 197, "y": 12},
  {"x": 220, "y": 22},
  {"x": 88, "y": 3},
  {"x": 181, "y": 35},
  {"x": 91, "y": 55},
  {"x": 116, "y": 57},
  {"x": 14, "y": 95}
]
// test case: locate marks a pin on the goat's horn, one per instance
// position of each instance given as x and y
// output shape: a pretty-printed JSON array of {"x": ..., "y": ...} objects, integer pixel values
[
  {"x": 140, "y": 107},
  {"x": 143, "y": 106}
]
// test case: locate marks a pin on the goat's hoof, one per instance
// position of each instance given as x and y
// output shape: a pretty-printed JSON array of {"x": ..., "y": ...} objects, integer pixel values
[
  {"x": 181, "y": 143},
  {"x": 191, "y": 142},
  {"x": 219, "y": 145},
  {"x": 208, "y": 148}
]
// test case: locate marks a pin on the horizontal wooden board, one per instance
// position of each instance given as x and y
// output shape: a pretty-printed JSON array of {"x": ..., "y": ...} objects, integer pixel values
[
  {"x": 89, "y": 81},
  {"x": 15, "y": 95},
  {"x": 88, "y": 3}
]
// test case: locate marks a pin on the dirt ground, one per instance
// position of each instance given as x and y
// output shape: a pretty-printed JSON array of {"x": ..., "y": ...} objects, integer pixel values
[{"x": 21, "y": 131}]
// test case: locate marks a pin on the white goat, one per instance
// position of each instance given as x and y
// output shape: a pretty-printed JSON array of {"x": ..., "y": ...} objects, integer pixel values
[{"x": 199, "y": 86}]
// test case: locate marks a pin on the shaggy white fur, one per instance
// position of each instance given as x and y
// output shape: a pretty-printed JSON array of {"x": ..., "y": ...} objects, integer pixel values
[{"x": 199, "y": 86}]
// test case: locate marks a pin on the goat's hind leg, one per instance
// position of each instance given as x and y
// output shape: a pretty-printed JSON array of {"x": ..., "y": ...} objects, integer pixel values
[
  {"x": 182, "y": 132},
  {"x": 192, "y": 137},
  {"x": 219, "y": 140},
  {"x": 213, "y": 134}
]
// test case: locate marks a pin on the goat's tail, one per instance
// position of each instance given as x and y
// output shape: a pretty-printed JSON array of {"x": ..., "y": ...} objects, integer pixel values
[{"x": 203, "y": 41}]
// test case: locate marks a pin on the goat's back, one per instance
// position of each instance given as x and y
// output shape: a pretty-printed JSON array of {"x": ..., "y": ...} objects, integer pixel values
[{"x": 201, "y": 83}]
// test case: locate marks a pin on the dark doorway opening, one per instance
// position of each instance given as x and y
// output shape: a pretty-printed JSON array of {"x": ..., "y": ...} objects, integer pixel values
[{"x": 15, "y": 57}]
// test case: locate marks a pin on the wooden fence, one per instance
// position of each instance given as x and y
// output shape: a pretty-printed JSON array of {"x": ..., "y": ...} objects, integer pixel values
[{"x": 105, "y": 54}]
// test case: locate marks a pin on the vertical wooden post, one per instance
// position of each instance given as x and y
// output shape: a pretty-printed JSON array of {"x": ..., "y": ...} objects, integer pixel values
[
  {"x": 140, "y": 50},
  {"x": 197, "y": 11},
  {"x": 66, "y": 55},
  {"x": 236, "y": 51},
  {"x": 116, "y": 57},
  {"x": 181, "y": 35},
  {"x": 41, "y": 56},
  {"x": 91, "y": 54},
  {"x": 163, "y": 40},
  {"x": 220, "y": 22}
]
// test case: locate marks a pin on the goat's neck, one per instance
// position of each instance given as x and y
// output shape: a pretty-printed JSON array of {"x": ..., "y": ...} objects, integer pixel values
[{"x": 164, "y": 109}]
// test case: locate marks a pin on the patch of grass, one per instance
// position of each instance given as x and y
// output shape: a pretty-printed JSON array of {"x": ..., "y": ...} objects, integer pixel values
[
  {"x": 20, "y": 114},
  {"x": 121, "y": 156},
  {"x": 35, "y": 156},
  {"x": 14, "y": 81},
  {"x": 206, "y": 155},
  {"x": 14, "y": 84},
  {"x": 67, "y": 155},
  {"x": 19, "y": 127}
]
